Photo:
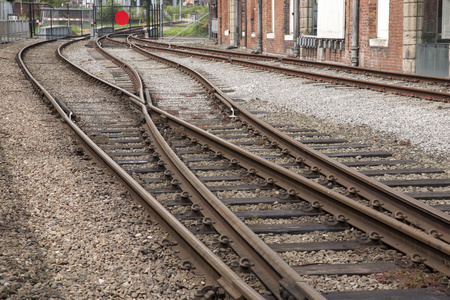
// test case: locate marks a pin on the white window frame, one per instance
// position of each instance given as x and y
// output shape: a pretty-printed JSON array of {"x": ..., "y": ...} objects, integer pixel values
[
  {"x": 290, "y": 36},
  {"x": 383, "y": 19},
  {"x": 331, "y": 19},
  {"x": 445, "y": 19},
  {"x": 382, "y": 25},
  {"x": 271, "y": 35}
]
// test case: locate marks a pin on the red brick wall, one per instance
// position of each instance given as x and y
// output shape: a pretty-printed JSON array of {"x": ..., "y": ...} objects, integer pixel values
[
  {"x": 278, "y": 44},
  {"x": 388, "y": 58},
  {"x": 252, "y": 25},
  {"x": 223, "y": 11}
]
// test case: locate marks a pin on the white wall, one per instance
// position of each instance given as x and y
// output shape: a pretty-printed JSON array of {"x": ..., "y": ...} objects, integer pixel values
[{"x": 331, "y": 19}]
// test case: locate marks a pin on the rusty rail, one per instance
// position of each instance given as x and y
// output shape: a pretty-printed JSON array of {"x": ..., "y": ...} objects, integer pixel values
[
  {"x": 275, "y": 273},
  {"x": 416, "y": 243},
  {"x": 364, "y": 84},
  {"x": 419, "y": 215},
  {"x": 215, "y": 270},
  {"x": 432, "y": 80}
]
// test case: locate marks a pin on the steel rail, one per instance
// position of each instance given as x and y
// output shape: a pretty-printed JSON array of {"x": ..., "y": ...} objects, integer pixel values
[
  {"x": 215, "y": 270},
  {"x": 420, "y": 246},
  {"x": 131, "y": 72},
  {"x": 268, "y": 266},
  {"x": 376, "y": 86},
  {"x": 311, "y": 63},
  {"x": 381, "y": 197},
  {"x": 417, "y": 244}
]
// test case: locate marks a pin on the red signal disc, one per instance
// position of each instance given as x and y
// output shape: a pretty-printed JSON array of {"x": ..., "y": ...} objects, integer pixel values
[{"x": 121, "y": 17}]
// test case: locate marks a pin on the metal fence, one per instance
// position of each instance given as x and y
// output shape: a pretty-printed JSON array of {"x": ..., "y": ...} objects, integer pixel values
[
  {"x": 11, "y": 31},
  {"x": 149, "y": 16},
  {"x": 58, "y": 22},
  {"x": 54, "y": 22}
]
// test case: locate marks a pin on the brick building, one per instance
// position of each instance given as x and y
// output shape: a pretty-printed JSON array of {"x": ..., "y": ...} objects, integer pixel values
[{"x": 410, "y": 36}]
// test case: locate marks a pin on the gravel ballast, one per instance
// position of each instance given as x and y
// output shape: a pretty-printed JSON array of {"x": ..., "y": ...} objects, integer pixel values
[
  {"x": 424, "y": 123},
  {"x": 68, "y": 229},
  {"x": 65, "y": 256}
]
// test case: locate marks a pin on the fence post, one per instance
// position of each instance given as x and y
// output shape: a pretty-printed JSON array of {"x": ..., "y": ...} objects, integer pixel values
[
  {"x": 32, "y": 18},
  {"x": 7, "y": 32},
  {"x": 148, "y": 17},
  {"x": 112, "y": 14},
  {"x": 51, "y": 21},
  {"x": 101, "y": 14}
]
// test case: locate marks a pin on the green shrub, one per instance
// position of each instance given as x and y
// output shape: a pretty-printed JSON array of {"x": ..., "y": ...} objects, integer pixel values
[
  {"x": 169, "y": 11},
  {"x": 200, "y": 29},
  {"x": 109, "y": 10}
]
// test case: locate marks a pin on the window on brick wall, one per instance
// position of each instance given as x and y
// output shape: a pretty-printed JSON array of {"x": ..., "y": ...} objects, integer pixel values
[
  {"x": 290, "y": 34},
  {"x": 291, "y": 17},
  {"x": 381, "y": 37},
  {"x": 383, "y": 19},
  {"x": 330, "y": 18},
  {"x": 436, "y": 21},
  {"x": 445, "y": 15},
  {"x": 271, "y": 34}
]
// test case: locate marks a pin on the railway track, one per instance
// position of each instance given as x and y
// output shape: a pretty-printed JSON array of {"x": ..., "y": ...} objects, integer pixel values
[
  {"x": 227, "y": 169},
  {"x": 180, "y": 109},
  {"x": 99, "y": 112},
  {"x": 411, "y": 85}
]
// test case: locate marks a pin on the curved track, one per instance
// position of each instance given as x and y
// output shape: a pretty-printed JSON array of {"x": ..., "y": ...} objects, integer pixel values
[
  {"x": 228, "y": 105},
  {"x": 121, "y": 112},
  {"x": 411, "y": 85},
  {"x": 428, "y": 245}
]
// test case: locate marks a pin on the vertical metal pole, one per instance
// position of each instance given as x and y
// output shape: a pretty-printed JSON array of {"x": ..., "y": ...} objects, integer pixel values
[
  {"x": 68, "y": 16},
  {"x": 32, "y": 18},
  {"x": 112, "y": 14},
  {"x": 245, "y": 23},
  {"x": 259, "y": 48},
  {"x": 236, "y": 23},
  {"x": 94, "y": 20},
  {"x": 162, "y": 16},
  {"x": 355, "y": 33},
  {"x": 180, "y": 12},
  {"x": 153, "y": 18},
  {"x": 101, "y": 13},
  {"x": 148, "y": 17},
  {"x": 296, "y": 29}
]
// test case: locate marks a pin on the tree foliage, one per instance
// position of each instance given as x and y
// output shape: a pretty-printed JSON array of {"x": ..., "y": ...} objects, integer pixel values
[
  {"x": 169, "y": 11},
  {"x": 109, "y": 10}
]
